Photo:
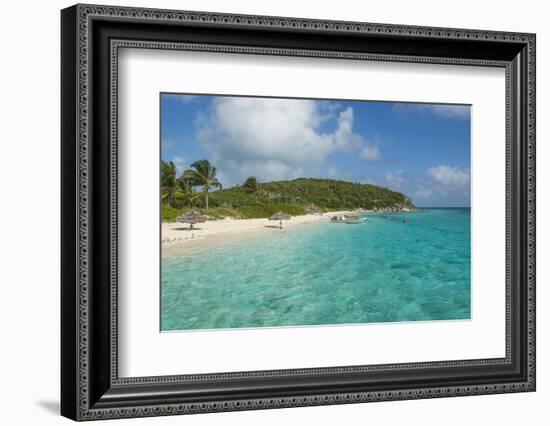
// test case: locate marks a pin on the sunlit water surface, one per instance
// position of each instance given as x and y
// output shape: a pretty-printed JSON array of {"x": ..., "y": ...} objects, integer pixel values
[{"x": 383, "y": 270}]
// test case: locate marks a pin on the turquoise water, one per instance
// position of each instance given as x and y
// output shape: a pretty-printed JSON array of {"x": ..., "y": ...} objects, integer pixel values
[{"x": 383, "y": 270}]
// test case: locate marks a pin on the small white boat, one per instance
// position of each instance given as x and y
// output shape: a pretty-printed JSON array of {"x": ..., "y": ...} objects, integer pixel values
[{"x": 347, "y": 218}]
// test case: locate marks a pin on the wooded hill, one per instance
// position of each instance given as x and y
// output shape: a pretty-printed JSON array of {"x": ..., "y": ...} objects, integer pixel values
[
  {"x": 295, "y": 197},
  {"x": 326, "y": 194}
]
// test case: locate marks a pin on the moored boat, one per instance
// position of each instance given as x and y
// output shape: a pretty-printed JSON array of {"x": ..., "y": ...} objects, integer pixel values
[{"x": 347, "y": 218}]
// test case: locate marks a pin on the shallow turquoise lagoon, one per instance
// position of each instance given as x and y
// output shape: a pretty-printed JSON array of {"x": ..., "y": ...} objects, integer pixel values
[{"x": 383, "y": 270}]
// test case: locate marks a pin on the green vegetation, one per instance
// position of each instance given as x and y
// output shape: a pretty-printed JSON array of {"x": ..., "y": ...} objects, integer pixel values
[
  {"x": 252, "y": 186},
  {"x": 326, "y": 194},
  {"x": 204, "y": 175},
  {"x": 174, "y": 192},
  {"x": 170, "y": 213},
  {"x": 255, "y": 200}
]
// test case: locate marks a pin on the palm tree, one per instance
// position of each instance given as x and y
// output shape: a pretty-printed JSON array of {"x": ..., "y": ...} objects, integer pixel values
[
  {"x": 176, "y": 192},
  {"x": 251, "y": 185},
  {"x": 181, "y": 195},
  {"x": 204, "y": 175},
  {"x": 184, "y": 192},
  {"x": 178, "y": 198},
  {"x": 184, "y": 185},
  {"x": 168, "y": 180}
]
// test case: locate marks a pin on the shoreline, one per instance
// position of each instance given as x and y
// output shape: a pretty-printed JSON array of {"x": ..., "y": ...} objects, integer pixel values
[{"x": 177, "y": 238}]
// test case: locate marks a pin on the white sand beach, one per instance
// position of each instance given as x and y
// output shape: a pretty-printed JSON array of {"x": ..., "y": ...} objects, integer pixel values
[{"x": 177, "y": 238}]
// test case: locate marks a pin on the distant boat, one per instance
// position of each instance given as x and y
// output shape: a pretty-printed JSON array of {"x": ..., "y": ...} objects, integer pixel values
[{"x": 347, "y": 218}]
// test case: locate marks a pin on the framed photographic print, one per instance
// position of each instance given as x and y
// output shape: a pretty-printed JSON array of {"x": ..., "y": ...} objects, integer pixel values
[{"x": 263, "y": 212}]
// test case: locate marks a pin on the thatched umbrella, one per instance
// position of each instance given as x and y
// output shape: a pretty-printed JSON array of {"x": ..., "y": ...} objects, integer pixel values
[
  {"x": 191, "y": 217},
  {"x": 280, "y": 216}
]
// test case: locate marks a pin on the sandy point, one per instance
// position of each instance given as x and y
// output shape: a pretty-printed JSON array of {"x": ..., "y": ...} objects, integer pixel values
[{"x": 178, "y": 238}]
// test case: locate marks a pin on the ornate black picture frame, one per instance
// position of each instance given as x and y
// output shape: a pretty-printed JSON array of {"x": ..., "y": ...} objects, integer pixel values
[{"x": 91, "y": 37}]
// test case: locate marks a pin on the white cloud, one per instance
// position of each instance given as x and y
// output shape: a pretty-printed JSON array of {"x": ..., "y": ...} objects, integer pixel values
[
  {"x": 370, "y": 153},
  {"x": 272, "y": 138},
  {"x": 181, "y": 163},
  {"x": 449, "y": 176},
  {"x": 441, "y": 185},
  {"x": 458, "y": 112},
  {"x": 329, "y": 109},
  {"x": 344, "y": 137},
  {"x": 395, "y": 179}
]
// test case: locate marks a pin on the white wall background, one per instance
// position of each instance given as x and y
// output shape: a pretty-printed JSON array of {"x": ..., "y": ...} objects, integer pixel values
[{"x": 29, "y": 213}]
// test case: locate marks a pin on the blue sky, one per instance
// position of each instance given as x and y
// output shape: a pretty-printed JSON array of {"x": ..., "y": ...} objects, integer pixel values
[{"x": 422, "y": 150}]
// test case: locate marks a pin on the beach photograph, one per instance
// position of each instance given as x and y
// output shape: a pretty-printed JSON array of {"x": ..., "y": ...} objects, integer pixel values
[{"x": 285, "y": 212}]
